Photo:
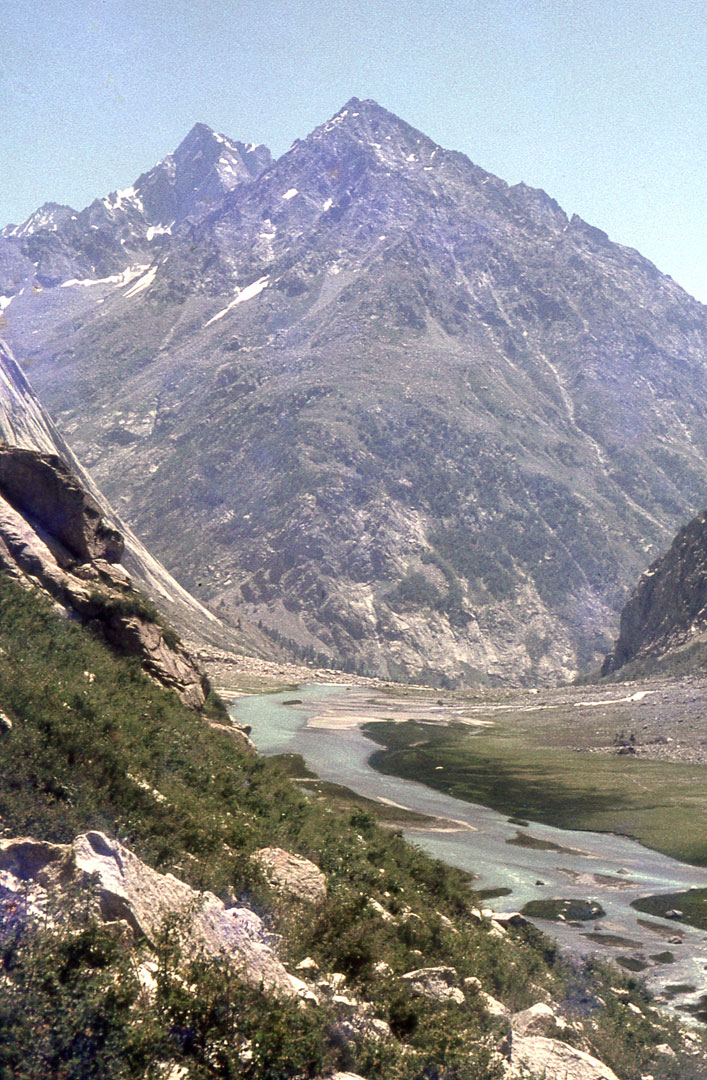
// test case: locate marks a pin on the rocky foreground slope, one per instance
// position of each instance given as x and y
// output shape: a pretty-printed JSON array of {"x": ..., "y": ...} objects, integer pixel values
[
  {"x": 222, "y": 922},
  {"x": 412, "y": 419}
]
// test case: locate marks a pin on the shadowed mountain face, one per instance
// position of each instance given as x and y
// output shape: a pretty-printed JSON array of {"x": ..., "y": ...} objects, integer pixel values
[
  {"x": 414, "y": 419},
  {"x": 664, "y": 621}
]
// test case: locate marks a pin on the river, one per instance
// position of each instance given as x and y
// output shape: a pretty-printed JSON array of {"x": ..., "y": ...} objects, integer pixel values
[{"x": 613, "y": 870}]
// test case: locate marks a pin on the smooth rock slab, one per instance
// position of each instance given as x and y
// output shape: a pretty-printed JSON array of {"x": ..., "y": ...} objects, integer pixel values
[{"x": 535, "y": 1055}]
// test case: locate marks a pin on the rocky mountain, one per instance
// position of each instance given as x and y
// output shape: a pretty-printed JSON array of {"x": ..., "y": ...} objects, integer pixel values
[
  {"x": 57, "y": 244},
  {"x": 412, "y": 420},
  {"x": 664, "y": 622}
]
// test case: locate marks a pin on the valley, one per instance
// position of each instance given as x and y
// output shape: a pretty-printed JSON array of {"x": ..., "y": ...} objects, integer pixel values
[
  {"x": 408, "y": 434},
  {"x": 546, "y": 769}
]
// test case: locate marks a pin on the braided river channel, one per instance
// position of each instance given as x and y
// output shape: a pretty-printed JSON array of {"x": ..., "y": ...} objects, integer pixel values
[{"x": 324, "y": 727}]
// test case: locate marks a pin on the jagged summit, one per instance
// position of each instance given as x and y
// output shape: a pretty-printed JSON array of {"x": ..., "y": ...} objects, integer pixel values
[
  {"x": 127, "y": 228},
  {"x": 50, "y": 216},
  {"x": 368, "y": 124},
  {"x": 200, "y": 133},
  {"x": 201, "y": 171}
]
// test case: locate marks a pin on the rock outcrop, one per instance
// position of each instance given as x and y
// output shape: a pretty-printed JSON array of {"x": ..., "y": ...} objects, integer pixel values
[
  {"x": 535, "y": 1055},
  {"x": 667, "y": 610},
  {"x": 54, "y": 535},
  {"x": 435, "y": 983},
  {"x": 126, "y": 888},
  {"x": 44, "y": 490}
]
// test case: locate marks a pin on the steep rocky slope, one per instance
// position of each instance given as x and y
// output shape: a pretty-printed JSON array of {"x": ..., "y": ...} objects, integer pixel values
[
  {"x": 24, "y": 424},
  {"x": 415, "y": 420},
  {"x": 664, "y": 622}
]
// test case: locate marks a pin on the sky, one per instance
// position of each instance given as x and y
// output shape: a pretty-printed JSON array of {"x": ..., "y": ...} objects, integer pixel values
[{"x": 602, "y": 103}]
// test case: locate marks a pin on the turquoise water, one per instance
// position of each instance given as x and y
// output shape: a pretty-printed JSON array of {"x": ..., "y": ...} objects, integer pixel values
[{"x": 480, "y": 843}]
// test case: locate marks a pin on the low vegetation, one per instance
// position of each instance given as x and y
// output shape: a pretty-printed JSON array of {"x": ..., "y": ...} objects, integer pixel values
[
  {"x": 514, "y": 769},
  {"x": 689, "y": 907},
  {"x": 95, "y": 744}
]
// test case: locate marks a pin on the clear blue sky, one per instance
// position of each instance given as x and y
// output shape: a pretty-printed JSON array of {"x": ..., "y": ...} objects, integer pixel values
[{"x": 602, "y": 102}]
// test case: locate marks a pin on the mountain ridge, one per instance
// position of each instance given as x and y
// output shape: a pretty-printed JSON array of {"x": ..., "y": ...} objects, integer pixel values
[{"x": 417, "y": 421}]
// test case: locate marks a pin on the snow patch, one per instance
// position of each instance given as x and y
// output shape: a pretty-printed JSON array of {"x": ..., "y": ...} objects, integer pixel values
[
  {"x": 117, "y": 199},
  {"x": 328, "y": 205},
  {"x": 291, "y": 193},
  {"x": 143, "y": 283},
  {"x": 5, "y": 302},
  {"x": 159, "y": 230},
  {"x": 128, "y": 275},
  {"x": 242, "y": 295}
]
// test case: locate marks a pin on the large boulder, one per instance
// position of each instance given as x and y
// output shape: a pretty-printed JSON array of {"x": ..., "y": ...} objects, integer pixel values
[
  {"x": 535, "y": 1055},
  {"x": 539, "y": 1019},
  {"x": 126, "y": 888},
  {"x": 292, "y": 875}
]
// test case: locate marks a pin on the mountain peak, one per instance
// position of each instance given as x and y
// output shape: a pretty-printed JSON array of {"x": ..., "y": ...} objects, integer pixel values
[
  {"x": 200, "y": 137},
  {"x": 200, "y": 130},
  {"x": 368, "y": 124},
  {"x": 195, "y": 177}
]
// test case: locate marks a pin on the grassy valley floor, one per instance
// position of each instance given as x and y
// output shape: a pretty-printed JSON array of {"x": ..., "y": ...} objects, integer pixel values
[{"x": 555, "y": 758}]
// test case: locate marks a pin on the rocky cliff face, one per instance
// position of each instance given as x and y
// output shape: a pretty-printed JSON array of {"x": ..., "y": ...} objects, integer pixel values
[
  {"x": 54, "y": 536},
  {"x": 667, "y": 610},
  {"x": 413, "y": 420}
]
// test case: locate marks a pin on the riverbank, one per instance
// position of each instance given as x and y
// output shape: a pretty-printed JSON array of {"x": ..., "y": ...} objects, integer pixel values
[
  {"x": 551, "y": 863},
  {"x": 663, "y": 805}
]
